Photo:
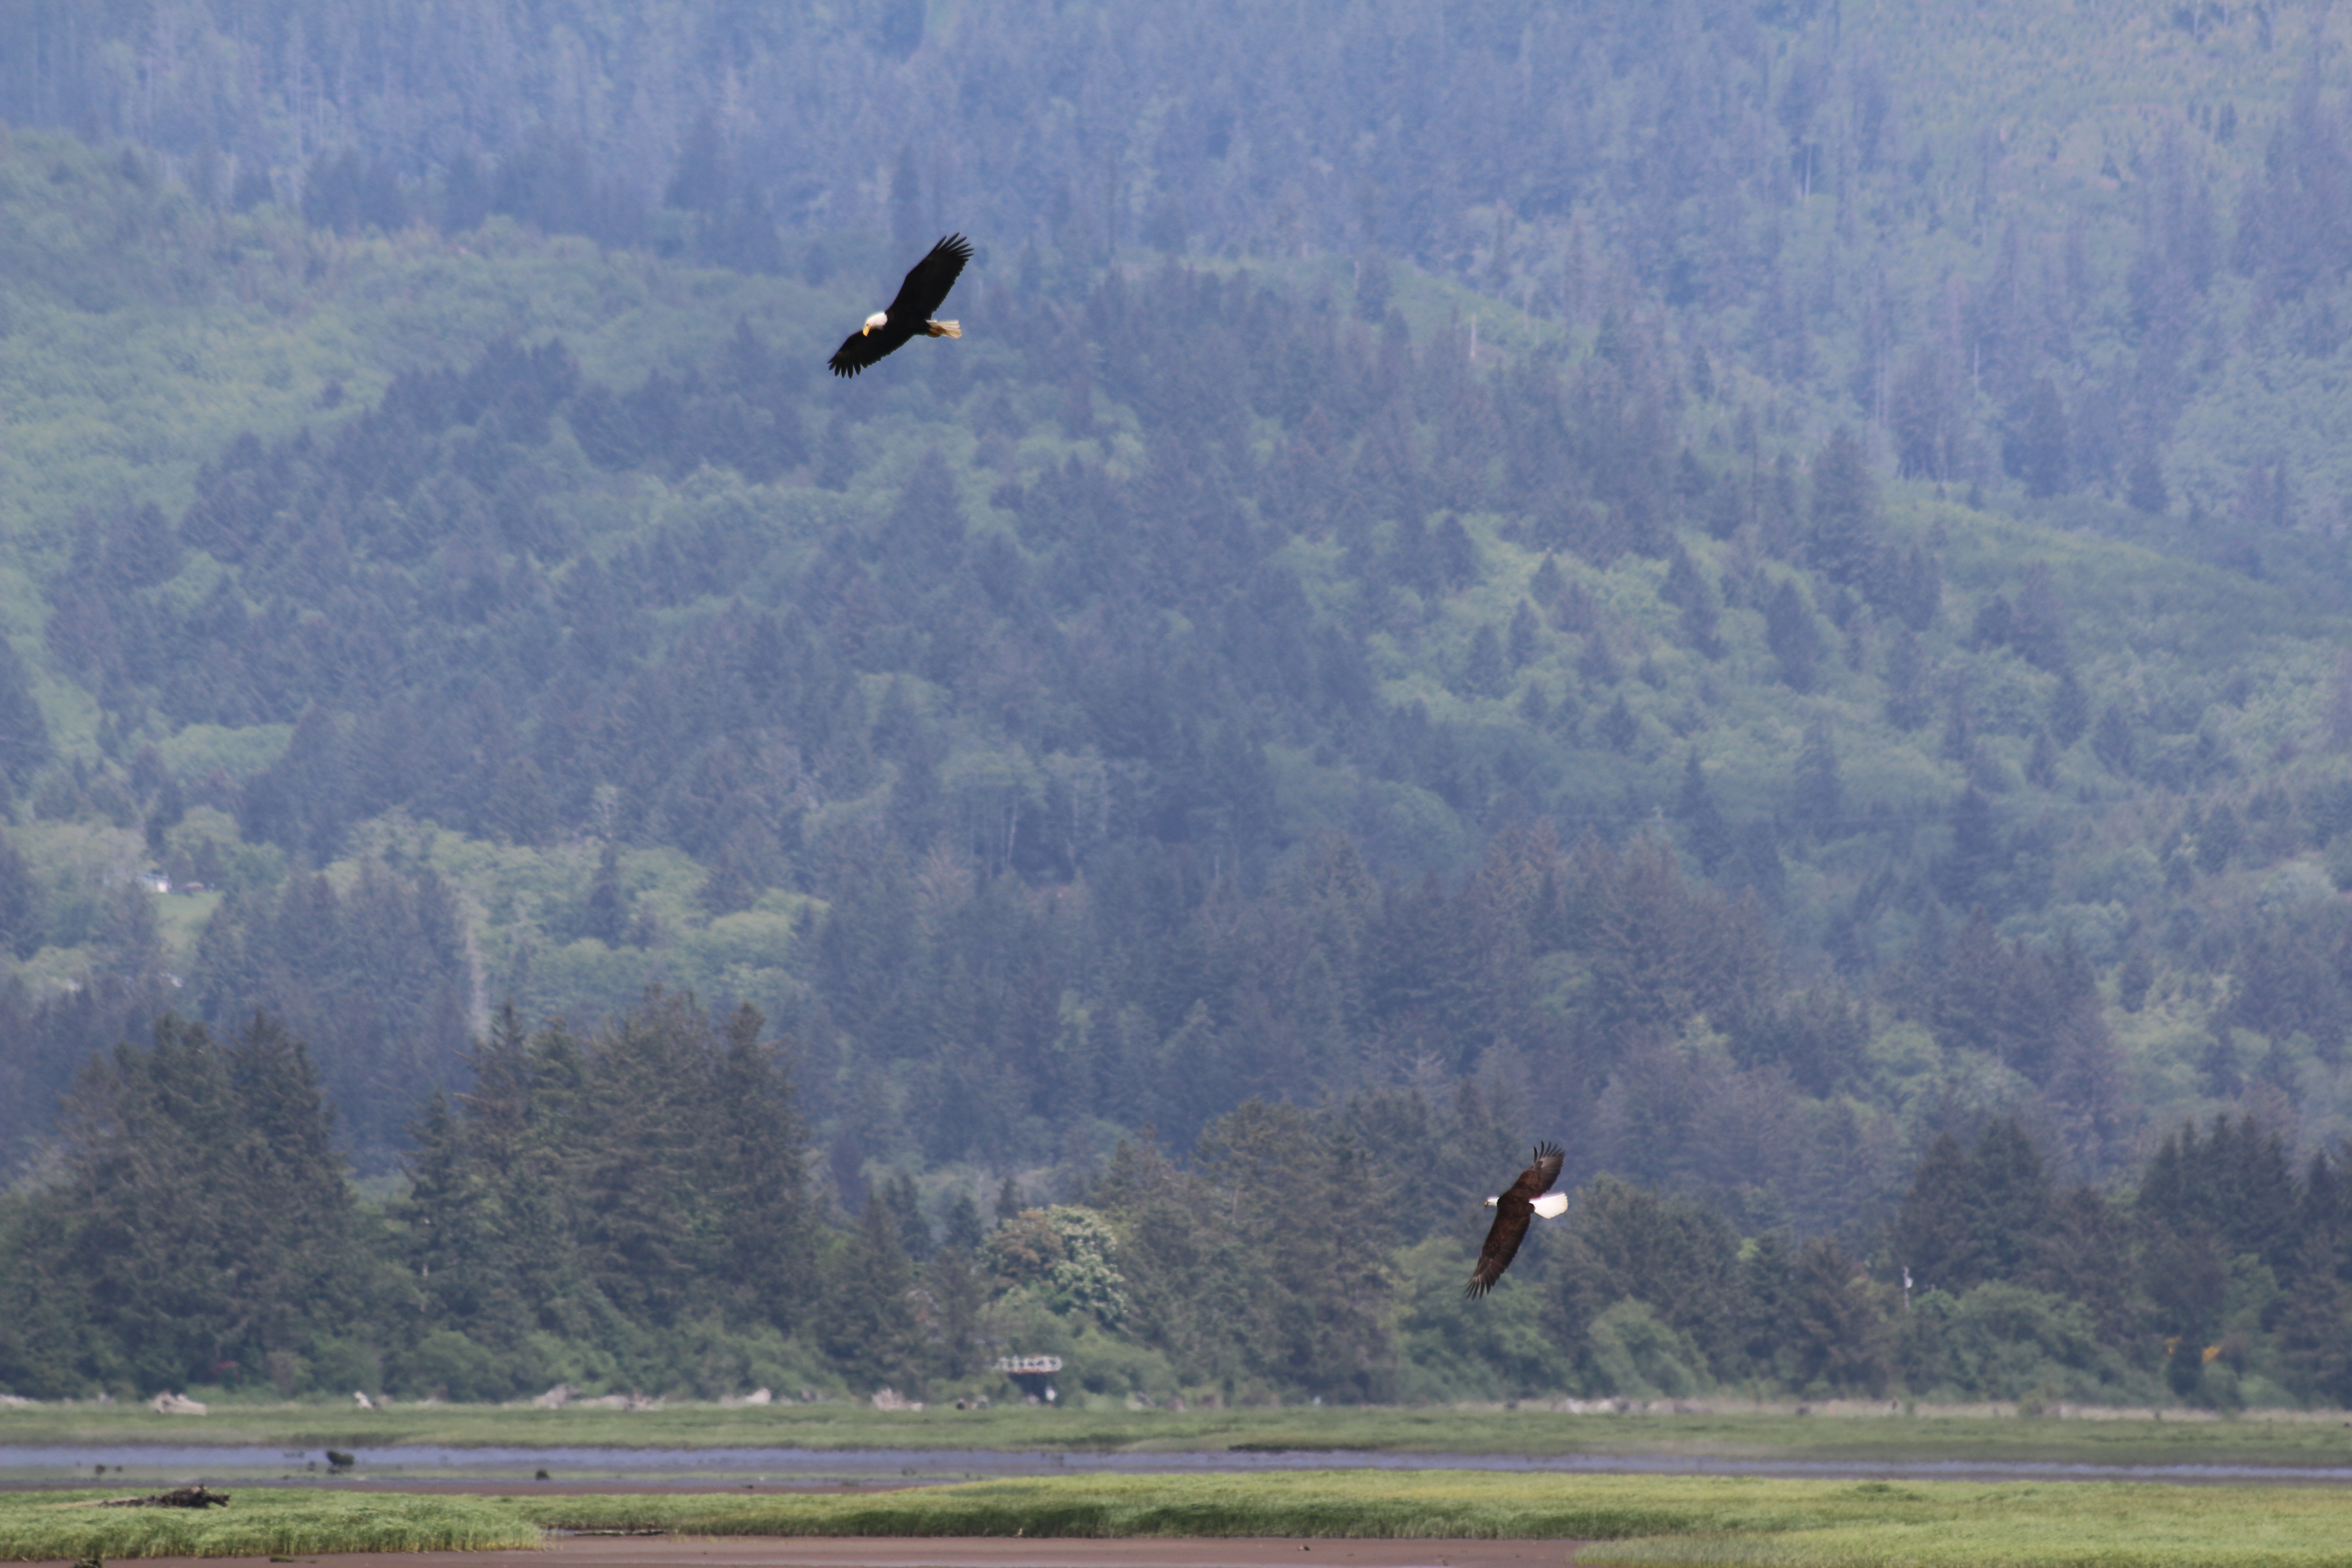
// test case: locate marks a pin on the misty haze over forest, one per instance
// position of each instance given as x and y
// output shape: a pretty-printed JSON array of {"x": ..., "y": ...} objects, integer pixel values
[{"x": 1759, "y": 588}]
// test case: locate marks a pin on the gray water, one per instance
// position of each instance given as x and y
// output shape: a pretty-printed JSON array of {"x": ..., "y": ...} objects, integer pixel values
[{"x": 684, "y": 1467}]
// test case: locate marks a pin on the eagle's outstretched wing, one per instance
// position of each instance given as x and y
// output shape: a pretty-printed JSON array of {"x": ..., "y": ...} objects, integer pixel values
[
  {"x": 861, "y": 349},
  {"x": 927, "y": 282},
  {"x": 1513, "y": 1212},
  {"x": 924, "y": 290},
  {"x": 1538, "y": 1179}
]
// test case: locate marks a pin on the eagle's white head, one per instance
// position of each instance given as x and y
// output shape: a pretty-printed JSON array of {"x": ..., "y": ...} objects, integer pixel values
[
  {"x": 1492, "y": 1202},
  {"x": 875, "y": 322}
]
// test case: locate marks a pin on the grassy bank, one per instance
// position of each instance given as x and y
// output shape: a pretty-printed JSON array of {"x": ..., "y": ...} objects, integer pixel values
[
  {"x": 255, "y": 1523},
  {"x": 1634, "y": 1520},
  {"x": 2174, "y": 1439},
  {"x": 1641, "y": 1519}
]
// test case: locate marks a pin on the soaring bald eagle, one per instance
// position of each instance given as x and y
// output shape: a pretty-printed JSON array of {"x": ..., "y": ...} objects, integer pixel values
[
  {"x": 1530, "y": 1196},
  {"x": 925, "y": 291}
]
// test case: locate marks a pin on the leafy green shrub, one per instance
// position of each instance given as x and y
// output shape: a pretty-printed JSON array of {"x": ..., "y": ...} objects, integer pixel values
[
  {"x": 345, "y": 1366},
  {"x": 2004, "y": 1341},
  {"x": 1113, "y": 1364},
  {"x": 448, "y": 1364},
  {"x": 1633, "y": 1351},
  {"x": 1066, "y": 1256},
  {"x": 1498, "y": 1347}
]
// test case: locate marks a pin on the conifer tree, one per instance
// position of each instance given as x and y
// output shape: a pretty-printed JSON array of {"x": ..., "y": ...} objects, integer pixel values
[
  {"x": 1793, "y": 637},
  {"x": 1694, "y": 807},
  {"x": 1819, "y": 797},
  {"x": 2009, "y": 1199},
  {"x": 758, "y": 1164},
  {"x": 1842, "y": 537},
  {"x": 868, "y": 1326},
  {"x": 211, "y": 1224},
  {"x": 1837, "y": 1338},
  {"x": 963, "y": 1231},
  {"x": 1936, "y": 1238},
  {"x": 954, "y": 1295},
  {"x": 905, "y": 1201}
]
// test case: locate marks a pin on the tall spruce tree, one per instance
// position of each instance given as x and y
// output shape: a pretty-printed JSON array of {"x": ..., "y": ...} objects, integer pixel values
[
  {"x": 209, "y": 1224},
  {"x": 870, "y": 1327}
]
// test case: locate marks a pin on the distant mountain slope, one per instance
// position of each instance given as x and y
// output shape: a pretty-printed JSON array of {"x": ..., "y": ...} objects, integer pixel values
[
  {"x": 1053, "y": 734},
  {"x": 2082, "y": 251}
]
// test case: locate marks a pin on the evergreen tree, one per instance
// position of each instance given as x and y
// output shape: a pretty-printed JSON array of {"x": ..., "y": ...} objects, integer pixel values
[
  {"x": 2041, "y": 762},
  {"x": 954, "y": 1296},
  {"x": 1936, "y": 1238},
  {"x": 2085, "y": 1253},
  {"x": 22, "y": 926},
  {"x": 868, "y": 1326},
  {"x": 2011, "y": 1196},
  {"x": 1485, "y": 672},
  {"x": 2070, "y": 709},
  {"x": 2039, "y": 635},
  {"x": 1315, "y": 1298},
  {"x": 1700, "y": 615},
  {"x": 1670, "y": 1253},
  {"x": 24, "y": 732},
  {"x": 1764, "y": 1306},
  {"x": 1843, "y": 538},
  {"x": 1970, "y": 877},
  {"x": 1695, "y": 808},
  {"x": 2114, "y": 743},
  {"x": 1525, "y": 636},
  {"x": 914, "y": 1231},
  {"x": 607, "y": 905},
  {"x": 760, "y": 1159},
  {"x": 1818, "y": 796},
  {"x": 1910, "y": 694},
  {"x": 268, "y": 1254},
  {"x": 1836, "y": 1338},
  {"x": 2035, "y": 448},
  {"x": 1790, "y": 632},
  {"x": 963, "y": 1232}
]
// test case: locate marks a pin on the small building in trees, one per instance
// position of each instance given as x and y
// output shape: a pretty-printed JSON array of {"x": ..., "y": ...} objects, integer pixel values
[{"x": 1033, "y": 1373}]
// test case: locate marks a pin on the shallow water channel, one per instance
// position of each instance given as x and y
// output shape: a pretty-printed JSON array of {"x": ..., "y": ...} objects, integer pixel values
[{"x": 691, "y": 1470}]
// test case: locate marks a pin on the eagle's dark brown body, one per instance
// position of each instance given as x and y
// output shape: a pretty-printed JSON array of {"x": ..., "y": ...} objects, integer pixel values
[
  {"x": 909, "y": 315},
  {"x": 1513, "y": 1211}
]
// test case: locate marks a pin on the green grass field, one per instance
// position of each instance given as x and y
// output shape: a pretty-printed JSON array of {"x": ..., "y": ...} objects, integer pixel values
[
  {"x": 2301, "y": 1439},
  {"x": 1635, "y": 1520},
  {"x": 35, "y": 1525}
]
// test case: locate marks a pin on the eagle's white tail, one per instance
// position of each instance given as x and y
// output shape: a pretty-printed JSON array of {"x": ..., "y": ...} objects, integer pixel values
[
  {"x": 1551, "y": 1206},
  {"x": 942, "y": 329}
]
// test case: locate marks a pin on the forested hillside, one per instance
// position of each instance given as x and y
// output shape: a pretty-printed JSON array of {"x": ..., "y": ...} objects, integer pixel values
[{"x": 1741, "y": 586}]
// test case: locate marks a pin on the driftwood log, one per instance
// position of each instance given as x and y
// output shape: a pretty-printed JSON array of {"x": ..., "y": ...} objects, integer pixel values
[{"x": 180, "y": 1497}]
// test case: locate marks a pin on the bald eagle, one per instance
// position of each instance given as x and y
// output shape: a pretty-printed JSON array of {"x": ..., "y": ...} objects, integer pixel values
[
  {"x": 1530, "y": 1196},
  {"x": 925, "y": 291}
]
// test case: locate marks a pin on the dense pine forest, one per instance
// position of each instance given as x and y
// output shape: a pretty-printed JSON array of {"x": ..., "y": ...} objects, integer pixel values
[{"x": 1759, "y": 589}]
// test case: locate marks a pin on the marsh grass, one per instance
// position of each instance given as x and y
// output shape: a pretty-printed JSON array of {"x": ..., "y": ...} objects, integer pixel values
[
  {"x": 2105, "y": 1525},
  {"x": 2301, "y": 1440},
  {"x": 1631, "y": 1519},
  {"x": 1637, "y": 1519},
  {"x": 258, "y": 1523}
]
